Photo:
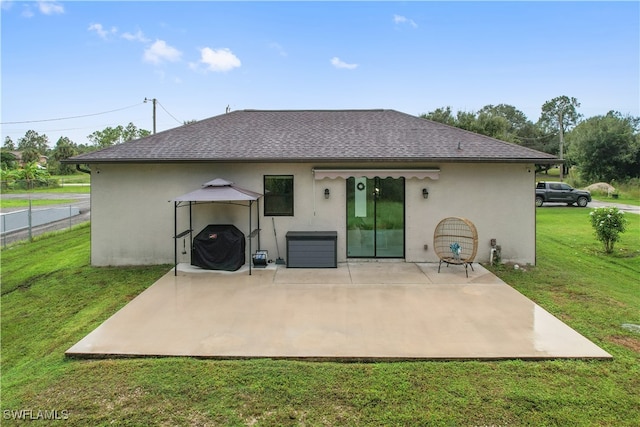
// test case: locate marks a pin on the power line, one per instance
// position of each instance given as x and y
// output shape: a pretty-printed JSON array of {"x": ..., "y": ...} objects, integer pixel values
[
  {"x": 551, "y": 135},
  {"x": 73, "y": 117},
  {"x": 165, "y": 110}
]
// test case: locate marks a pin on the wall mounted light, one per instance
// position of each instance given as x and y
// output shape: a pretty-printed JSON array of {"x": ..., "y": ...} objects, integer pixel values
[
  {"x": 425, "y": 193},
  {"x": 326, "y": 193}
]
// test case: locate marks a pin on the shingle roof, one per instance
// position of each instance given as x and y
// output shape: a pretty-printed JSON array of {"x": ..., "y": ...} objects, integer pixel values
[{"x": 315, "y": 135}]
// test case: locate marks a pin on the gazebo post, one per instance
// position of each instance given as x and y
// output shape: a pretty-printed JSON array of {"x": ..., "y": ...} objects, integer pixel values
[
  {"x": 250, "y": 239},
  {"x": 190, "y": 231},
  {"x": 175, "y": 238}
]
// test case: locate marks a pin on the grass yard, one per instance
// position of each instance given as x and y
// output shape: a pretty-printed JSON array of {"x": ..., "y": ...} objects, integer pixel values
[
  {"x": 76, "y": 178},
  {"x": 51, "y": 298},
  {"x": 80, "y": 189},
  {"x": 22, "y": 203},
  {"x": 76, "y": 183}
]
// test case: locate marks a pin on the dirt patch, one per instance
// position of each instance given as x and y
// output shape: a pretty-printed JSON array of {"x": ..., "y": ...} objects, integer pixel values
[
  {"x": 601, "y": 186},
  {"x": 631, "y": 343}
]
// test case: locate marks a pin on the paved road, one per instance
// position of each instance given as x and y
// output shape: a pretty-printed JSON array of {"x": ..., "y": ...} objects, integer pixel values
[
  {"x": 622, "y": 207},
  {"x": 597, "y": 204},
  {"x": 82, "y": 202}
]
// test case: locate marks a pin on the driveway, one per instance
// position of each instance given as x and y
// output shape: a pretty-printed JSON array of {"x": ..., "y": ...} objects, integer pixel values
[
  {"x": 597, "y": 204},
  {"x": 620, "y": 206},
  {"x": 358, "y": 311}
]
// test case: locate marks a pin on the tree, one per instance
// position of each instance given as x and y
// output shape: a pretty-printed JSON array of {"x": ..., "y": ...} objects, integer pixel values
[
  {"x": 502, "y": 121},
  {"x": 31, "y": 174},
  {"x": 606, "y": 147},
  {"x": 107, "y": 137},
  {"x": 466, "y": 120},
  {"x": 8, "y": 160},
  {"x": 560, "y": 113},
  {"x": 8, "y": 144},
  {"x": 492, "y": 125},
  {"x": 516, "y": 119},
  {"x": 30, "y": 155},
  {"x": 111, "y": 136},
  {"x": 441, "y": 115},
  {"x": 131, "y": 132},
  {"x": 32, "y": 140},
  {"x": 63, "y": 150}
]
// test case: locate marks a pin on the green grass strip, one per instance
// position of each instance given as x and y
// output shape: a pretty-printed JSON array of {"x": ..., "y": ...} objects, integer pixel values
[{"x": 21, "y": 203}]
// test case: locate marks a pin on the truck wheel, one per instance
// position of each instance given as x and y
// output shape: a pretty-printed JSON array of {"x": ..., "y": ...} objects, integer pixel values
[
  {"x": 539, "y": 201},
  {"x": 582, "y": 202}
]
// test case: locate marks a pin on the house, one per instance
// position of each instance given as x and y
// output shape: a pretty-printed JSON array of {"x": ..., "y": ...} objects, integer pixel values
[
  {"x": 41, "y": 162},
  {"x": 380, "y": 179}
]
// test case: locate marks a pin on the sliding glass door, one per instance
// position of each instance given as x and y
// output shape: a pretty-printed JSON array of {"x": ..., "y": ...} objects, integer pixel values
[{"x": 375, "y": 217}]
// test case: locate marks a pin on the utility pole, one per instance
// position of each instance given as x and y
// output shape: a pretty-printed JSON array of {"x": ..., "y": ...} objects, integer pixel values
[
  {"x": 560, "y": 121},
  {"x": 154, "y": 111}
]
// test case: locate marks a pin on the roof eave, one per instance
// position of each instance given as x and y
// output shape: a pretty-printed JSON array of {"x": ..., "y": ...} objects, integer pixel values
[{"x": 545, "y": 160}]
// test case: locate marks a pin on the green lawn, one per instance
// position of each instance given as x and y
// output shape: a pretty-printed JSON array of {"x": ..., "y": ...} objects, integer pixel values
[
  {"x": 622, "y": 199},
  {"x": 81, "y": 189},
  {"x": 51, "y": 298},
  {"x": 76, "y": 178},
  {"x": 21, "y": 203},
  {"x": 76, "y": 183}
]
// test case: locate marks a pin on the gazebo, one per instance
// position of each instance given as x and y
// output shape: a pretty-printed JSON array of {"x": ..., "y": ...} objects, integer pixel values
[{"x": 216, "y": 191}]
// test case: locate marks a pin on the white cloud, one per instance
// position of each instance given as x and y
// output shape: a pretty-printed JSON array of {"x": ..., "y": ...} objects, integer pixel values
[
  {"x": 219, "y": 60},
  {"x": 399, "y": 19},
  {"x": 29, "y": 8},
  {"x": 338, "y": 63},
  {"x": 278, "y": 48},
  {"x": 27, "y": 12},
  {"x": 138, "y": 37},
  {"x": 50, "y": 7},
  {"x": 101, "y": 31},
  {"x": 160, "y": 51}
]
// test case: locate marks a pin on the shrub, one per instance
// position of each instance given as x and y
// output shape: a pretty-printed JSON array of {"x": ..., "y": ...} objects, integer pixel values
[{"x": 608, "y": 223}]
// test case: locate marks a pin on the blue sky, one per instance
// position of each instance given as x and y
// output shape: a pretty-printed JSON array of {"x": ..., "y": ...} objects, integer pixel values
[{"x": 68, "y": 59}]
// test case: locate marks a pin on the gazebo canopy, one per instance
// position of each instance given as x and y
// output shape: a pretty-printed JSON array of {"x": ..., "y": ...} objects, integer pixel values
[{"x": 219, "y": 190}]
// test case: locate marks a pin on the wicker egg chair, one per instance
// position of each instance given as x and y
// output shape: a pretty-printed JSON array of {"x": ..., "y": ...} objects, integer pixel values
[{"x": 455, "y": 241}]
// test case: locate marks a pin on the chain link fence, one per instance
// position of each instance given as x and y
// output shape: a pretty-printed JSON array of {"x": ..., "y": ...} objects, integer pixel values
[{"x": 26, "y": 218}]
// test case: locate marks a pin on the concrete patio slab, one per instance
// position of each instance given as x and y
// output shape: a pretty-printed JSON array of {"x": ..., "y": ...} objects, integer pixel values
[{"x": 358, "y": 311}]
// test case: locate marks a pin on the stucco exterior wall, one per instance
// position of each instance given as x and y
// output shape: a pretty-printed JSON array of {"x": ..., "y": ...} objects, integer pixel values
[{"x": 132, "y": 213}]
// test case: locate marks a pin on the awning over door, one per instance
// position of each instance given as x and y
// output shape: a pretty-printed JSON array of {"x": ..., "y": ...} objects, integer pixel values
[{"x": 320, "y": 173}]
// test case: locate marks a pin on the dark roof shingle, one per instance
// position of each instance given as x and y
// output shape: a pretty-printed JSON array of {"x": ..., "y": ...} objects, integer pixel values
[{"x": 315, "y": 135}]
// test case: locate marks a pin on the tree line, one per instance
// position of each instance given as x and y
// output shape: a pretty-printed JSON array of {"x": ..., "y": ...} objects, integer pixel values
[
  {"x": 602, "y": 148},
  {"x": 34, "y": 145}
]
